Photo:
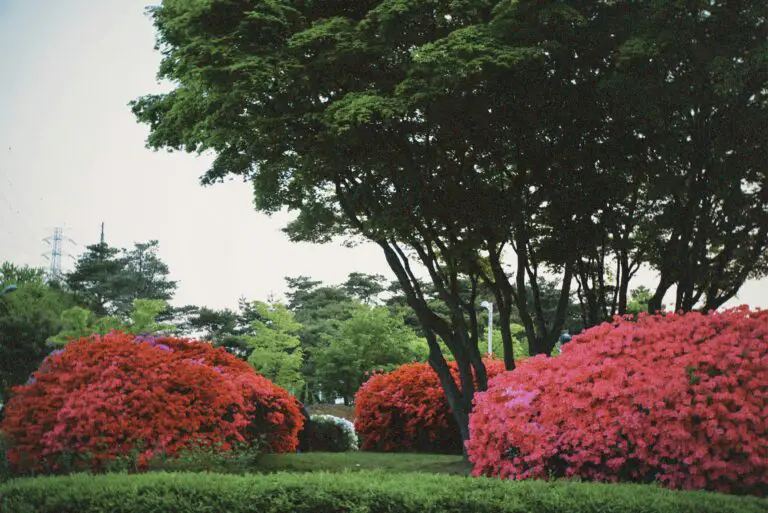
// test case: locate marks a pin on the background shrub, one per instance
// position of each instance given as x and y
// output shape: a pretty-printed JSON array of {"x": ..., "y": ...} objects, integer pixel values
[
  {"x": 333, "y": 493},
  {"x": 682, "y": 399},
  {"x": 121, "y": 396},
  {"x": 406, "y": 410},
  {"x": 6, "y": 471},
  {"x": 332, "y": 434}
]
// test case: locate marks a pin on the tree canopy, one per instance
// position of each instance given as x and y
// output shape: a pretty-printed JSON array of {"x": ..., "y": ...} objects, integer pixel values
[
  {"x": 494, "y": 144},
  {"x": 28, "y": 317},
  {"x": 107, "y": 280}
]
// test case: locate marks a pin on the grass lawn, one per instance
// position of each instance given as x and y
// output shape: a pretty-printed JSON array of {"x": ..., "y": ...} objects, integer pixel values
[{"x": 346, "y": 461}]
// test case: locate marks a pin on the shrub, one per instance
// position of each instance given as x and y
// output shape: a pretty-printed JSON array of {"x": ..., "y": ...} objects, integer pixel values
[
  {"x": 682, "y": 399},
  {"x": 6, "y": 471},
  {"x": 332, "y": 434},
  {"x": 332, "y": 493},
  {"x": 406, "y": 410},
  {"x": 121, "y": 396},
  {"x": 239, "y": 460}
]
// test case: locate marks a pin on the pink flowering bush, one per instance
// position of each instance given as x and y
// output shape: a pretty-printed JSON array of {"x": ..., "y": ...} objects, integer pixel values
[
  {"x": 678, "y": 399},
  {"x": 122, "y": 396}
]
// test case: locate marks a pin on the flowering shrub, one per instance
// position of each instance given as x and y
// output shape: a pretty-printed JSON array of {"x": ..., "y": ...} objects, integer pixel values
[
  {"x": 406, "y": 410},
  {"x": 121, "y": 396},
  {"x": 332, "y": 434},
  {"x": 679, "y": 399}
]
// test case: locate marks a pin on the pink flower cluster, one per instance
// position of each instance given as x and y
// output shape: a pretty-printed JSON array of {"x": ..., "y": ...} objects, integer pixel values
[{"x": 678, "y": 399}]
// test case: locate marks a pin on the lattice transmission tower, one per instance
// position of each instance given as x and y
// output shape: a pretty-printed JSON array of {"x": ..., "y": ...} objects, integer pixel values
[{"x": 54, "y": 257}]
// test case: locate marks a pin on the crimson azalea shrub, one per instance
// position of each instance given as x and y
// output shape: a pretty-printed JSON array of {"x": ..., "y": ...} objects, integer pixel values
[
  {"x": 678, "y": 399},
  {"x": 120, "y": 396},
  {"x": 406, "y": 410}
]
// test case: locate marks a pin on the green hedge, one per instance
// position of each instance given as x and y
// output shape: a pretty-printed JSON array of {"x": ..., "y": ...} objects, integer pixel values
[{"x": 353, "y": 492}]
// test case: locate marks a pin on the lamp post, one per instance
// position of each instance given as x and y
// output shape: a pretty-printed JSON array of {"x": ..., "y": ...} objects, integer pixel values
[
  {"x": 8, "y": 290},
  {"x": 489, "y": 306}
]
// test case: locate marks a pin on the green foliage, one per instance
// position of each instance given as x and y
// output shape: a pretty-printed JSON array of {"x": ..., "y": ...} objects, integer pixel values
[
  {"x": 328, "y": 433},
  {"x": 356, "y": 461},
  {"x": 519, "y": 347},
  {"x": 78, "y": 322},
  {"x": 366, "y": 288},
  {"x": 371, "y": 339},
  {"x": 639, "y": 299},
  {"x": 6, "y": 470},
  {"x": 352, "y": 492},
  {"x": 144, "y": 317},
  {"x": 108, "y": 280},
  {"x": 276, "y": 353},
  {"x": 239, "y": 460},
  {"x": 96, "y": 279},
  {"x": 28, "y": 317},
  {"x": 321, "y": 310}
]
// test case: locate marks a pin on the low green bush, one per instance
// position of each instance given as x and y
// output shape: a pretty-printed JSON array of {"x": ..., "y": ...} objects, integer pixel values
[
  {"x": 6, "y": 472},
  {"x": 353, "y": 492},
  {"x": 240, "y": 459}
]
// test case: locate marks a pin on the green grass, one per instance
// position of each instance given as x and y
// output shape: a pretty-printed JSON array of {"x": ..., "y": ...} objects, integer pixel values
[{"x": 353, "y": 461}]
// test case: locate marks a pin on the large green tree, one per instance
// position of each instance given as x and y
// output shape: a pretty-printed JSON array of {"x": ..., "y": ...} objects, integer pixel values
[
  {"x": 97, "y": 278},
  {"x": 276, "y": 351},
  {"x": 371, "y": 339},
  {"x": 465, "y": 136},
  {"x": 28, "y": 317},
  {"x": 108, "y": 280},
  {"x": 321, "y": 310}
]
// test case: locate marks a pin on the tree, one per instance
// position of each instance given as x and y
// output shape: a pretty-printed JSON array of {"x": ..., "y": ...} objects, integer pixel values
[
  {"x": 27, "y": 318},
  {"x": 700, "y": 137},
  {"x": 97, "y": 280},
  {"x": 371, "y": 339},
  {"x": 77, "y": 322},
  {"x": 321, "y": 310},
  {"x": 366, "y": 288},
  {"x": 455, "y": 134},
  {"x": 276, "y": 353},
  {"x": 145, "y": 276},
  {"x": 369, "y": 152},
  {"x": 107, "y": 280},
  {"x": 639, "y": 300}
]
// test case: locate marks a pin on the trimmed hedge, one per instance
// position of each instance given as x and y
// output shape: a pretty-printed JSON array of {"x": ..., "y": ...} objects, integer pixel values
[{"x": 332, "y": 493}]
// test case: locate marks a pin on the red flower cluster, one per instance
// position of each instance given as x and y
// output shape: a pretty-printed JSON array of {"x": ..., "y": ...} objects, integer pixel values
[
  {"x": 682, "y": 399},
  {"x": 107, "y": 397},
  {"x": 406, "y": 410}
]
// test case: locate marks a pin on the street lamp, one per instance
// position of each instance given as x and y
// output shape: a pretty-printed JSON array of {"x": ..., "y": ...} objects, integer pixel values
[
  {"x": 8, "y": 289},
  {"x": 489, "y": 306}
]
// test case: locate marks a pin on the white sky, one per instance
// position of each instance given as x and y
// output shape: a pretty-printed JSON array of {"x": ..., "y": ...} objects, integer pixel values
[{"x": 72, "y": 155}]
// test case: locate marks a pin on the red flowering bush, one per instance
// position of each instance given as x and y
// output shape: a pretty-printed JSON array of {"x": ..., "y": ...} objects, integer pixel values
[
  {"x": 681, "y": 399},
  {"x": 406, "y": 410},
  {"x": 114, "y": 396}
]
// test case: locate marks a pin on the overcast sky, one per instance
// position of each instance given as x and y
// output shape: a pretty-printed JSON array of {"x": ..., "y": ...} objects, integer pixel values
[{"x": 72, "y": 156}]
